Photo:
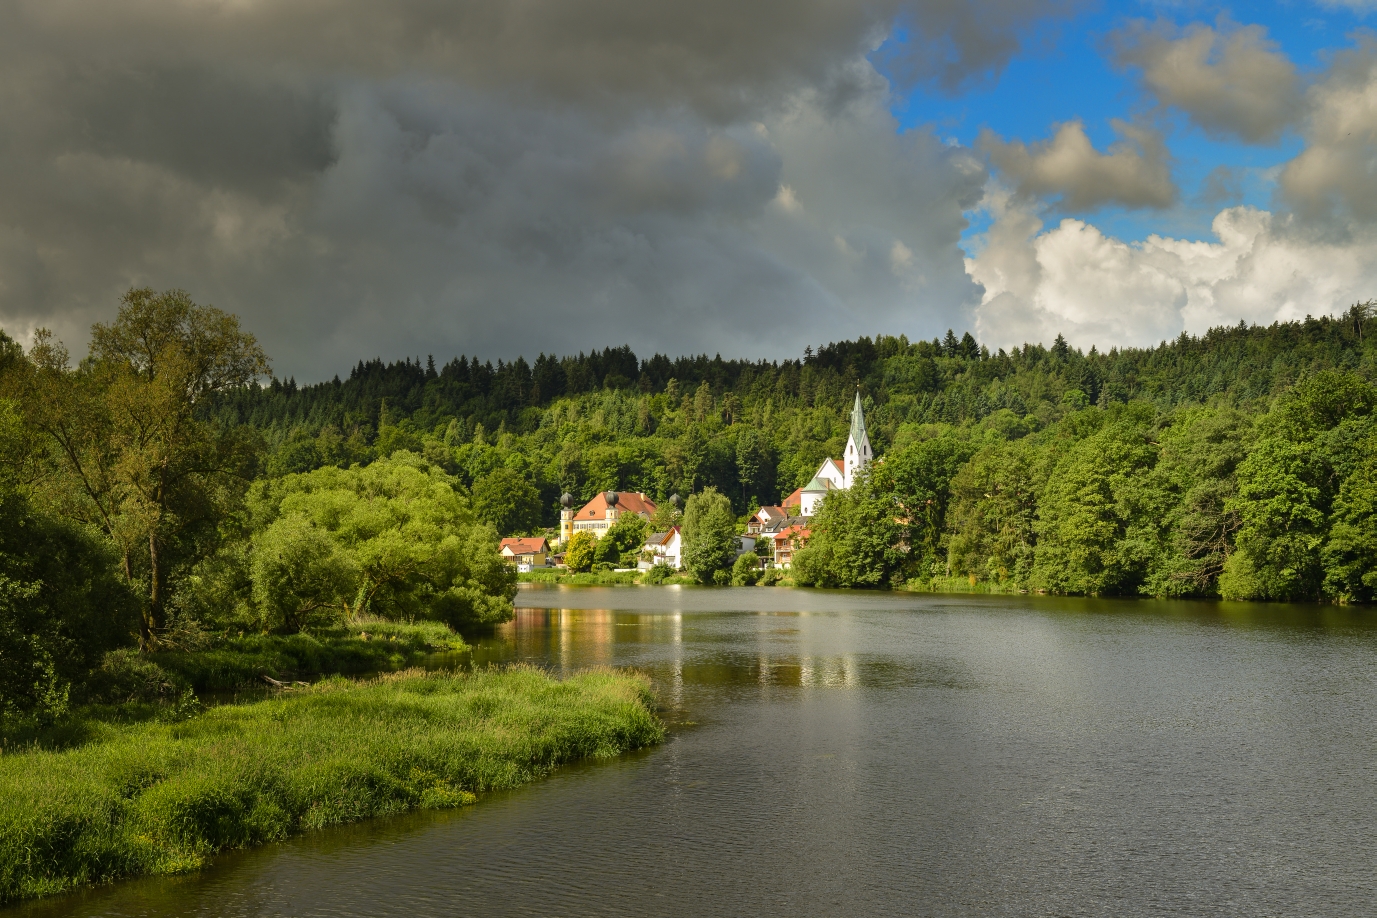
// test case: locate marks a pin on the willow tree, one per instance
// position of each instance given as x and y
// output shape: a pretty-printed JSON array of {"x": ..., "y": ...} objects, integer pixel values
[{"x": 134, "y": 455}]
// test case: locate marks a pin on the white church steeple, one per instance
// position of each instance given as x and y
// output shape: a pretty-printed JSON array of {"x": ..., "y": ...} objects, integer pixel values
[{"x": 858, "y": 453}]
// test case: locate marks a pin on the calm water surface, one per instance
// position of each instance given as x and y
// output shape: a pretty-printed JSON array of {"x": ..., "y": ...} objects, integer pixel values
[{"x": 859, "y": 754}]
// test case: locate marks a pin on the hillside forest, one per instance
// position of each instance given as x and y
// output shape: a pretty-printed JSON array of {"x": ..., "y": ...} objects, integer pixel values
[
  {"x": 1237, "y": 464},
  {"x": 159, "y": 490}
]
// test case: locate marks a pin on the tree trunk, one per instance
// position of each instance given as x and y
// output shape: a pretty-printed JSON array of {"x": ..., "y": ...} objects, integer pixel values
[{"x": 153, "y": 620}]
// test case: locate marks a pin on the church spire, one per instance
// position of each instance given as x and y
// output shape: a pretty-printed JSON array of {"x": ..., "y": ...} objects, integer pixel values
[
  {"x": 858, "y": 419},
  {"x": 858, "y": 453}
]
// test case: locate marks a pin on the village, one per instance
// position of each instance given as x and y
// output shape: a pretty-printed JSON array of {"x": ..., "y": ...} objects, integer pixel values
[{"x": 773, "y": 533}]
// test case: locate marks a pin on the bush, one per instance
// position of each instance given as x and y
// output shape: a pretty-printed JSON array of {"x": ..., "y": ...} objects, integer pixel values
[
  {"x": 746, "y": 570},
  {"x": 362, "y": 647},
  {"x": 578, "y": 555},
  {"x": 660, "y": 573},
  {"x": 771, "y": 576}
]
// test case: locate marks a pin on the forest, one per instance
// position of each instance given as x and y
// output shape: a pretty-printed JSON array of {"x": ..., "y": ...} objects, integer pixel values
[
  {"x": 1236, "y": 464},
  {"x": 167, "y": 491}
]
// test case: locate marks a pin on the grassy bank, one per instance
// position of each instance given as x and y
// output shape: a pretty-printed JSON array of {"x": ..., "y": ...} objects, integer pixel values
[
  {"x": 158, "y": 798},
  {"x": 364, "y": 647},
  {"x": 958, "y": 585},
  {"x": 588, "y": 578}
]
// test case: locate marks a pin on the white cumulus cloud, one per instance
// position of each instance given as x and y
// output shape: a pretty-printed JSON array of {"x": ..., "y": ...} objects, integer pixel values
[{"x": 1095, "y": 289}]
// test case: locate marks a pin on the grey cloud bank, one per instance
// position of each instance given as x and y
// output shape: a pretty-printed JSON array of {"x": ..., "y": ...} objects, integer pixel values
[{"x": 406, "y": 178}]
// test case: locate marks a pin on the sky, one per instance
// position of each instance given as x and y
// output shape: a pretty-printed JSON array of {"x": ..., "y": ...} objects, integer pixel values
[{"x": 502, "y": 177}]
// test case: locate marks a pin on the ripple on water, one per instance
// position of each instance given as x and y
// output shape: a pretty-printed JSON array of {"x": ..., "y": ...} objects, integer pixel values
[{"x": 856, "y": 754}]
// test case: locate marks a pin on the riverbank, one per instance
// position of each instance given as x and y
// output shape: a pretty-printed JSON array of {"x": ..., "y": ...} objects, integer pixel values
[
  {"x": 368, "y": 646},
  {"x": 160, "y": 798}
]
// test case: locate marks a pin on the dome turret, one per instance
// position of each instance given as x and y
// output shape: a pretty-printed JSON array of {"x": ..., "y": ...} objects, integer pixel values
[
  {"x": 566, "y": 500},
  {"x": 611, "y": 498}
]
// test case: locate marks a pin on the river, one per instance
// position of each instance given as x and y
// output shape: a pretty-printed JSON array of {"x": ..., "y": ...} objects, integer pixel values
[{"x": 838, "y": 753}]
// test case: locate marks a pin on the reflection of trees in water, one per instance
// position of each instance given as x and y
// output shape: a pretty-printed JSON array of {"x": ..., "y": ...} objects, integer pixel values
[{"x": 823, "y": 670}]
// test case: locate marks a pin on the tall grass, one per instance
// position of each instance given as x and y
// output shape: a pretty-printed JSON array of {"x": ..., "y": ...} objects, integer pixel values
[{"x": 158, "y": 798}]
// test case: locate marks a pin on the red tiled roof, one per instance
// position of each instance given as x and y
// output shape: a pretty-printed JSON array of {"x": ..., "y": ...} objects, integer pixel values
[
  {"x": 627, "y": 501},
  {"x": 766, "y": 514},
  {"x": 793, "y": 500},
  {"x": 793, "y": 531},
  {"x": 837, "y": 462},
  {"x": 525, "y": 546}
]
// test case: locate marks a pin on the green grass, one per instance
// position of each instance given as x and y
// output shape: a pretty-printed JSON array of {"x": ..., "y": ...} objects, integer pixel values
[
  {"x": 159, "y": 798},
  {"x": 602, "y": 578},
  {"x": 957, "y": 585},
  {"x": 237, "y": 661}
]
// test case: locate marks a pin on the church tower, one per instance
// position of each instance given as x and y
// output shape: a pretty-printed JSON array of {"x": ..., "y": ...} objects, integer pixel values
[{"x": 858, "y": 453}]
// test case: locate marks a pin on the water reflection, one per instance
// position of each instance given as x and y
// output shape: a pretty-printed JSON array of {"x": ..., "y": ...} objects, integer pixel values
[{"x": 861, "y": 753}]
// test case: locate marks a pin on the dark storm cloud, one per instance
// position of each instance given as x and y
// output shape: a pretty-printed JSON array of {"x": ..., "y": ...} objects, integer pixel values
[{"x": 417, "y": 176}]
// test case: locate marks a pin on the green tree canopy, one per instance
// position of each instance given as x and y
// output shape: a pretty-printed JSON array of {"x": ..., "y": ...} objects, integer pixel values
[
  {"x": 709, "y": 534},
  {"x": 579, "y": 554},
  {"x": 507, "y": 501},
  {"x": 407, "y": 536}
]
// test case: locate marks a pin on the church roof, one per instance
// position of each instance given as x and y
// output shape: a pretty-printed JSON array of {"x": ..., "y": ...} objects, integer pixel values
[
  {"x": 858, "y": 420},
  {"x": 818, "y": 484}
]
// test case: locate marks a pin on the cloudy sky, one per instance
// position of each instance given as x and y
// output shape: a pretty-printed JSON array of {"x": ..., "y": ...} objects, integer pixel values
[{"x": 358, "y": 178}]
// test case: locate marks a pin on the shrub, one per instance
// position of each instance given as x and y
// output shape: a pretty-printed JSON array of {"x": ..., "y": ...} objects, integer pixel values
[
  {"x": 578, "y": 555},
  {"x": 659, "y": 573},
  {"x": 746, "y": 571}
]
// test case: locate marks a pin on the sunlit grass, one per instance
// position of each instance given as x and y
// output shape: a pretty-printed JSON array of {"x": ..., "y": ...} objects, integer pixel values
[{"x": 158, "y": 798}]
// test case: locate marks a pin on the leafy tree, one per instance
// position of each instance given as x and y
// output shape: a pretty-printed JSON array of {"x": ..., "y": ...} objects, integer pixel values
[
  {"x": 1200, "y": 453},
  {"x": 136, "y": 458},
  {"x": 621, "y": 544},
  {"x": 404, "y": 526},
  {"x": 301, "y": 577},
  {"x": 709, "y": 534},
  {"x": 857, "y": 538},
  {"x": 62, "y": 604},
  {"x": 912, "y": 488},
  {"x": 746, "y": 570},
  {"x": 1350, "y": 555},
  {"x": 579, "y": 554},
  {"x": 993, "y": 513},
  {"x": 507, "y": 501},
  {"x": 1288, "y": 482},
  {"x": 1090, "y": 504}
]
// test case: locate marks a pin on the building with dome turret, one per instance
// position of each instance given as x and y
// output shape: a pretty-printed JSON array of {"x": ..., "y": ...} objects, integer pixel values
[{"x": 602, "y": 512}]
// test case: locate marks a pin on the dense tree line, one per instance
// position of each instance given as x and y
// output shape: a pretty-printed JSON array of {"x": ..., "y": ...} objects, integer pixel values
[
  {"x": 1224, "y": 464},
  {"x": 157, "y": 481}
]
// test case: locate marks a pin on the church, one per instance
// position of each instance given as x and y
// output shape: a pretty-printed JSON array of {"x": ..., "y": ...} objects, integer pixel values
[{"x": 835, "y": 474}]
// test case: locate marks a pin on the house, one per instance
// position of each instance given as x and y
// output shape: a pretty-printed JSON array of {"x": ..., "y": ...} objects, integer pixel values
[
  {"x": 764, "y": 517},
  {"x": 665, "y": 548},
  {"x": 787, "y": 541},
  {"x": 600, "y": 513},
  {"x": 526, "y": 553},
  {"x": 834, "y": 474}
]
